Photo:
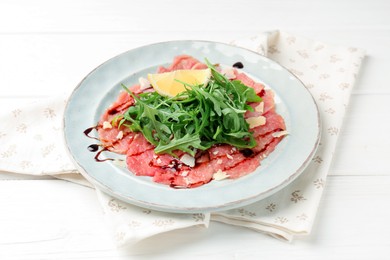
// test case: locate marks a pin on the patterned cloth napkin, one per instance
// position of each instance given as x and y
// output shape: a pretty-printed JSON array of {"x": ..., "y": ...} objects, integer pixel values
[{"x": 31, "y": 143}]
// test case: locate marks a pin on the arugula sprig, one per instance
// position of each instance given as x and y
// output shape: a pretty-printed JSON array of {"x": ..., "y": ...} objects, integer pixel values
[{"x": 198, "y": 118}]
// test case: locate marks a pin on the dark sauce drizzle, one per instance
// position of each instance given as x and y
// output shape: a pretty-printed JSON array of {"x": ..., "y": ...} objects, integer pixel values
[
  {"x": 238, "y": 65},
  {"x": 89, "y": 130},
  {"x": 95, "y": 147},
  {"x": 102, "y": 160}
]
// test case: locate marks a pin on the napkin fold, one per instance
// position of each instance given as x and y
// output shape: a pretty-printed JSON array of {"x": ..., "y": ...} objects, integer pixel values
[{"x": 32, "y": 143}]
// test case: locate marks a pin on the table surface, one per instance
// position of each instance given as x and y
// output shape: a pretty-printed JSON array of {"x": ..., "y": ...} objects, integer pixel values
[{"x": 49, "y": 46}]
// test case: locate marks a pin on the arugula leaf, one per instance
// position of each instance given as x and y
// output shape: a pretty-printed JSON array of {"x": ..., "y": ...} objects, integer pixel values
[
  {"x": 186, "y": 143},
  {"x": 249, "y": 92},
  {"x": 202, "y": 116}
]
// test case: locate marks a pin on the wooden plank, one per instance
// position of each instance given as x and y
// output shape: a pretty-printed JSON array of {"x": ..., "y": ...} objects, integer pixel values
[
  {"x": 362, "y": 147},
  {"x": 123, "y": 16},
  {"x": 55, "y": 219}
]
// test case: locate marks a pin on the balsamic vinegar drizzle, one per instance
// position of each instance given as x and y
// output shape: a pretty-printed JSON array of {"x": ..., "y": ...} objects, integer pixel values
[
  {"x": 89, "y": 130},
  {"x": 238, "y": 65},
  {"x": 95, "y": 147},
  {"x": 102, "y": 160}
]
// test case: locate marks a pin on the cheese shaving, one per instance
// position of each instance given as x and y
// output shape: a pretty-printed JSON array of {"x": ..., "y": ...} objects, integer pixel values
[
  {"x": 107, "y": 125},
  {"x": 228, "y": 72},
  {"x": 188, "y": 160},
  {"x": 144, "y": 83},
  {"x": 279, "y": 134},
  {"x": 256, "y": 121},
  {"x": 220, "y": 175},
  {"x": 120, "y": 135},
  {"x": 260, "y": 107}
]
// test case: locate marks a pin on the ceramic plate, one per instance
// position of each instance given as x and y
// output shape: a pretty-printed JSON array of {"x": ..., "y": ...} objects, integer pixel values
[{"x": 101, "y": 87}]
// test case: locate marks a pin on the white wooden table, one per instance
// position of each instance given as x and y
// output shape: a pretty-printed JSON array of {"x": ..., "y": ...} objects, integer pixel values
[{"x": 49, "y": 46}]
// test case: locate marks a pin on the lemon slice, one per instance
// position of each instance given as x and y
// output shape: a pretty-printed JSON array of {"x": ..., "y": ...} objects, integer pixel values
[{"x": 167, "y": 84}]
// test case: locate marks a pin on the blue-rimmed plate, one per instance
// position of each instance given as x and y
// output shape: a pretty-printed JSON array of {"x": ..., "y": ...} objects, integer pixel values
[{"x": 101, "y": 87}]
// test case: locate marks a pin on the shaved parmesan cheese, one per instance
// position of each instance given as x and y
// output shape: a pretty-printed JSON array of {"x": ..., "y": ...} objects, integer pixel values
[
  {"x": 120, "y": 135},
  {"x": 260, "y": 107},
  {"x": 279, "y": 134},
  {"x": 220, "y": 175},
  {"x": 144, "y": 83},
  {"x": 107, "y": 125},
  {"x": 228, "y": 72},
  {"x": 188, "y": 160},
  {"x": 256, "y": 121}
]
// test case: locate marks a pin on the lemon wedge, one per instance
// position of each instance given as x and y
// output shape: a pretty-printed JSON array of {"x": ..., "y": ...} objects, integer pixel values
[{"x": 167, "y": 84}]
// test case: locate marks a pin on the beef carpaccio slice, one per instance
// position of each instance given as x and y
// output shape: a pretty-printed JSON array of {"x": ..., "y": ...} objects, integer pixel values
[{"x": 218, "y": 162}]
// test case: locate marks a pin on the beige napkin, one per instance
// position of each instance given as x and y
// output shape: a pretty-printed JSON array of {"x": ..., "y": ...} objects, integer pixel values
[{"x": 31, "y": 143}]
